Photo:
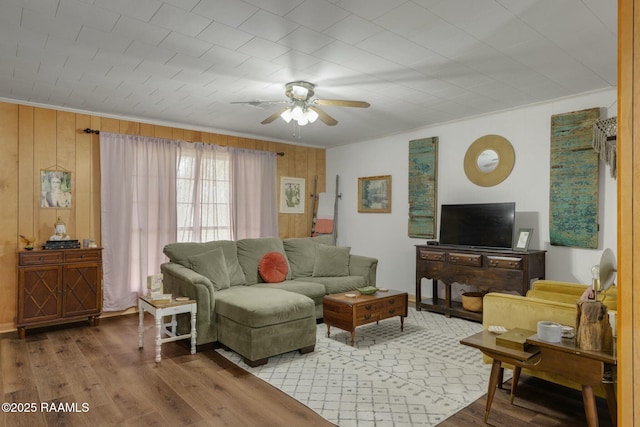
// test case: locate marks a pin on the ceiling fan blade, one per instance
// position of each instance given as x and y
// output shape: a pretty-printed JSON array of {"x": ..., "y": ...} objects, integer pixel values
[
  {"x": 273, "y": 117},
  {"x": 259, "y": 103},
  {"x": 342, "y": 103},
  {"x": 327, "y": 119}
]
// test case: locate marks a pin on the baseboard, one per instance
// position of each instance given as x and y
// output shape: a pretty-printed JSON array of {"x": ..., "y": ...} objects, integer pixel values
[{"x": 10, "y": 328}]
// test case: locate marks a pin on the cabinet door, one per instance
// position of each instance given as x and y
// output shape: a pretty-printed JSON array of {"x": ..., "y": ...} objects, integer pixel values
[
  {"x": 82, "y": 293},
  {"x": 39, "y": 294}
]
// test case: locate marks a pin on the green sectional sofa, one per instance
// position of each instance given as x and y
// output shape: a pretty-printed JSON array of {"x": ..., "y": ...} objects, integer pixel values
[{"x": 256, "y": 319}]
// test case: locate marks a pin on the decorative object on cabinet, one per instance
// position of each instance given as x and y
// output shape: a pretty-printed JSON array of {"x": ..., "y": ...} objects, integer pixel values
[
  {"x": 605, "y": 142},
  {"x": 59, "y": 286},
  {"x": 573, "y": 199},
  {"x": 423, "y": 187},
  {"x": 488, "y": 269},
  {"x": 292, "y": 195},
  {"x": 29, "y": 242},
  {"x": 523, "y": 238},
  {"x": 55, "y": 189},
  {"x": 60, "y": 230},
  {"x": 489, "y": 160},
  {"x": 374, "y": 194}
]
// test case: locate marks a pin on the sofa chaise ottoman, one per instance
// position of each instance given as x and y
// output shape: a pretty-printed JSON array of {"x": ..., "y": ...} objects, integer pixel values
[{"x": 259, "y": 323}]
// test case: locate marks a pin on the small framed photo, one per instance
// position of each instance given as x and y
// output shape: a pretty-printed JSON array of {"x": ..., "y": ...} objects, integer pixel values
[
  {"x": 291, "y": 195},
  {"x": 374, "y": 194},
  {"x": 523, "y": 239},
  {"x": 55, "y": 189}
]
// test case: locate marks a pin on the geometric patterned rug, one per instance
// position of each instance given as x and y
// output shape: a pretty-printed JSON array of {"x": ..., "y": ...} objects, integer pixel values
[{"x": 418, "y": 377}]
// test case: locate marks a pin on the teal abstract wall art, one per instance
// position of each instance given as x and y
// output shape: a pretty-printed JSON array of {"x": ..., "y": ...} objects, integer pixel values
[
  {"x": 423, "y": 187},
  {"x": 573, "y": 192}
]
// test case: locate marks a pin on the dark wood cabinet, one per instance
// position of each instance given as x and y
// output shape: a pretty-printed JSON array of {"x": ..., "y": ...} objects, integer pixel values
[
  {"x": 57, "y": 286},
  {"x": 489, "y": 269}
]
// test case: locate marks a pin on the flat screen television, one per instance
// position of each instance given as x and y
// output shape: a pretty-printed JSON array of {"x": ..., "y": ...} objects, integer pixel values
[{"x": 480, "y": 225}]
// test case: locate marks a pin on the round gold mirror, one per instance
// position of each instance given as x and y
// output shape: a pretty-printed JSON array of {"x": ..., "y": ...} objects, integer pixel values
[{"x": 489, "y": 160}]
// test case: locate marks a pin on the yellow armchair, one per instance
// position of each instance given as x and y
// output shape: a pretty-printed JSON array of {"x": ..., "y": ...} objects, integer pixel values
[
  {"x": 570, "y": 292},
  {"x": 547, "y": 300}
]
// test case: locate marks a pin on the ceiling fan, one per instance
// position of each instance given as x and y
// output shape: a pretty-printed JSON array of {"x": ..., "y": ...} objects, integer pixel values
[{"x": 301, "y": 108}]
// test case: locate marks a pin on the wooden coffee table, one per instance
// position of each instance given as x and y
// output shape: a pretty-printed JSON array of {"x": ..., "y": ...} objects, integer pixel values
[
  {"x": 564, "y": 358},
  {"x": 348, "y": 310}
]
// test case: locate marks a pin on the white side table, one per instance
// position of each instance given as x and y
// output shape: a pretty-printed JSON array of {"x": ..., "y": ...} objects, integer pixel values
[{"x": 159, "y": 311}]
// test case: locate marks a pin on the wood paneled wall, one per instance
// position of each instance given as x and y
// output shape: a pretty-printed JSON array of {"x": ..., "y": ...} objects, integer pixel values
[
  {"x": 628, "y": 326},
  {"x": 33, "y": 139}
]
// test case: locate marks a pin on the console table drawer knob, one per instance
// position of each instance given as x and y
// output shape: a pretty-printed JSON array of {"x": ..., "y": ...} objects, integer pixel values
[
  {"x": 367, "y": 316},
  {"x": 367, "y": 307},
  {"x": 393, "y": 310}
]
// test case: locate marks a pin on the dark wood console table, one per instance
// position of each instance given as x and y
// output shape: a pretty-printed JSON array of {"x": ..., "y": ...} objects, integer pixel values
[{"x": 488, "y": 269}]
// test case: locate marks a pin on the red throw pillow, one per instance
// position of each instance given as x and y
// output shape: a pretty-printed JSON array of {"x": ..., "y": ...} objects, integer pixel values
[{"x": 273, "y": 267}]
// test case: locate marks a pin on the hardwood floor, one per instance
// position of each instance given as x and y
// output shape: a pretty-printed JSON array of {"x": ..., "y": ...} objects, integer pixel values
[
  {"x": 119, "y": 384},
  {"x": 538, "y": 403},
  {"x": 102, "y": 368}
]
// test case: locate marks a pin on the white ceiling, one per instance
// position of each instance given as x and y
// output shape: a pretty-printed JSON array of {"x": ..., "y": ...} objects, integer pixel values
[{"x": 416, "y": 62}]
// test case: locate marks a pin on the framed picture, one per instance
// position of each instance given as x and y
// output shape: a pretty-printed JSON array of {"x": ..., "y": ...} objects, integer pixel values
[
  {"x": 523, "y": 239},
  {"x": 374, "y": 194},
  {"x": 291, "y": 195},
  {"x": 55, "y": 189}
]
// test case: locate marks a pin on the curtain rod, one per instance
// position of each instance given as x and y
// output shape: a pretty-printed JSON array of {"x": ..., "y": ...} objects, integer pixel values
[{"x": 97, "y": 132}]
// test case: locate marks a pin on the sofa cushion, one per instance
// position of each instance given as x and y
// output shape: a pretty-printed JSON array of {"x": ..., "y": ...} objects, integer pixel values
[
  {"x": 314, "y": 290},
  {"x": 301, "y": 253},
  {"x": 250, "y": 251},
  {"x": 181, "y": 251},
  {"x": 273, "y": 267},
  {"x": 212, "y": 265},
  {"x": 257, "y": 307},
  {"x": 331, "y": 261},
  {"x": 335, "y": 285}
]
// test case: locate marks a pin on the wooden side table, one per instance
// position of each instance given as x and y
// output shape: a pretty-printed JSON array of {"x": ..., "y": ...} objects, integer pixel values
[
  {"x": 168, "y": 309},
  {"x": 565, "y": 359}
]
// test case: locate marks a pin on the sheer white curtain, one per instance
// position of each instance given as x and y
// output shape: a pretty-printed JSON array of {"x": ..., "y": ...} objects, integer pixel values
[
  {"x": 138, "y": 208},
  {"x": 158, "y": 191},
  {"x": 204, "y": 193},
  {"x": 255, "y": 202}
]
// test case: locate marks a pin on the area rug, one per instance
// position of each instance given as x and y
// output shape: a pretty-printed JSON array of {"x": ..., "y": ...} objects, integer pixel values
[{"x": 418, "y": 377}]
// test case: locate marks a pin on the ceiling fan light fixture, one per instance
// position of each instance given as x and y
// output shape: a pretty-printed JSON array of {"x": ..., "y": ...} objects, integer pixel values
[
  {"x": 303, "y": 109},
  {"x": 300, "y": 92},
  {"x": 312, "y": 116},
  {"x": 286, "y": 115},
  {"x": 297, "y": 112}
]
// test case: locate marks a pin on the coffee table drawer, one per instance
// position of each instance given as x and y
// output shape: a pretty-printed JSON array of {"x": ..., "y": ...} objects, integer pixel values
[
  {"x": 397, "y": 301},
  {"x": 362, "y": 318},
  {"x": 368, "y": 308}
]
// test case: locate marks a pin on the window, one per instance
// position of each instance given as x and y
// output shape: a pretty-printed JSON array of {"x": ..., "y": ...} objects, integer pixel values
[{"x": 203, "y": 194}]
